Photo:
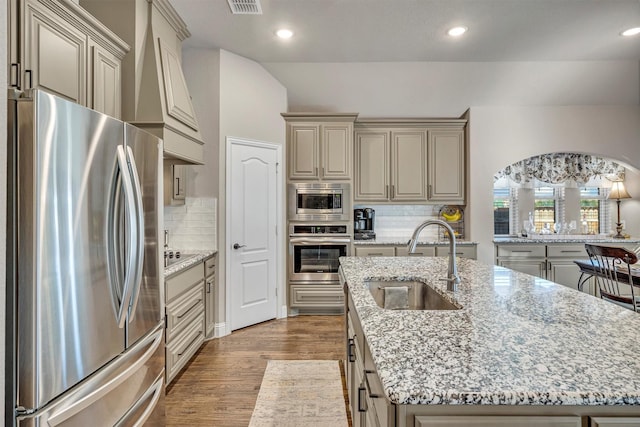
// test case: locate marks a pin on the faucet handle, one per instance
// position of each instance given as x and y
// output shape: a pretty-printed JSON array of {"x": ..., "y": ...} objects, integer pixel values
[{"x": 452, "y": 283}]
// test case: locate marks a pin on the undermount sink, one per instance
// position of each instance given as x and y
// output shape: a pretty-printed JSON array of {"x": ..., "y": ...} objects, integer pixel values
[{"x": 420, "y": 296}]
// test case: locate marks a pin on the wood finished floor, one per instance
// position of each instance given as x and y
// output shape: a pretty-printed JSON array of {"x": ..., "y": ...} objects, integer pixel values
[{"x": 220, "y": 385}]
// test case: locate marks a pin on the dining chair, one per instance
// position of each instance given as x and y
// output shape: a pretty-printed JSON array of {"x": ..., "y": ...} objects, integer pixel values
[{"x": 613, "y": 275}]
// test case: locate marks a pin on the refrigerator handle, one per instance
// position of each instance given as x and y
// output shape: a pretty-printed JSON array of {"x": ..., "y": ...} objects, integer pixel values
[
  {"x": 132, "y": 236},
  {"x": 139, "y": 248}
]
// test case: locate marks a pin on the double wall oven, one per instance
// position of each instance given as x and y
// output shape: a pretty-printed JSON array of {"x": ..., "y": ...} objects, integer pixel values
[{"x": 320, "y": 231}]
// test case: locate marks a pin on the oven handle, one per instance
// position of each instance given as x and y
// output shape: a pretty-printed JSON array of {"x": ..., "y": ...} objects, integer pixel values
[{"x": 316, "y": 240}]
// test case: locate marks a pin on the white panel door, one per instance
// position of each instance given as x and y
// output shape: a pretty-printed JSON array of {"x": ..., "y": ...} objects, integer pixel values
[{"x": 252, "y": 241}]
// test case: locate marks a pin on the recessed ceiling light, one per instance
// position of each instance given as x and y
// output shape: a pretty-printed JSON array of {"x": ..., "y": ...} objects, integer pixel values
[
  {"x": 631, "y": 32},
  {"x": 457, "y": 31},
  {"x": 284, "y": 33}
]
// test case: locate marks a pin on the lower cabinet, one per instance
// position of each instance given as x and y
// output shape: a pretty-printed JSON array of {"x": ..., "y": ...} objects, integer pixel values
[
  {"x": 375, "y": 250},
  {"x": 185, "y": 318},
  {"x": 316, "y": 297}
]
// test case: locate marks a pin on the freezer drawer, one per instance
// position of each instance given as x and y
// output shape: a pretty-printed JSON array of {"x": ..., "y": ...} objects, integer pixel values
[{"x": 127, "y": 391}]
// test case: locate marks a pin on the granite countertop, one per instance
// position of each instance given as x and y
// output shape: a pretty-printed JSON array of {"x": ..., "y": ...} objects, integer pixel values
[
  {"x": 404, "y": 239},
  {"x": 188, "y": 258},
  {"x": 566, "y": 239},
  {"x": 518, "y": 340}
]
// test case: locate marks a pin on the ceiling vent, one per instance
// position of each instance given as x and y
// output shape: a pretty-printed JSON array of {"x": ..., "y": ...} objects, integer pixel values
[{"x": 245, "y": 7}]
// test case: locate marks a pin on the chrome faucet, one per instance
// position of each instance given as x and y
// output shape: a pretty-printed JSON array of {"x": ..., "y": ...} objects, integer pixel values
[{"x": 452, "y": 273}]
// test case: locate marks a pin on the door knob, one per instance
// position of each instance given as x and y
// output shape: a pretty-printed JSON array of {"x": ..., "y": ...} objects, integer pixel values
[{"x": 237, "y": 246}]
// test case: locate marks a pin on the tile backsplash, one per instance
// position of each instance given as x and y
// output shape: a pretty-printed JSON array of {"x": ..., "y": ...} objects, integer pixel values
[
  {"x": 192, "y": 226},
  {"x": 395, "y": 220}
]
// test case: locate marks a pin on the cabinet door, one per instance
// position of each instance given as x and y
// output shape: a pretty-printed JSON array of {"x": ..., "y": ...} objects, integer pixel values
[
  {"x": 54, "y": 54},
  {"x": 408, "y": 165},
  {"x": 304, "y": 140},
  {"x": 446, "y": 166},
  {"x": 567, "y": 273},
  {"x": 210, "y": 304},
  {"x": 615, "y": 421},
  {"x": 532, "y": 267},
  {"x": 372, "y": 166},
  {"x": 336, "y": 151},
  {"x": 13, "y": 72},
  {"x": 105, "y": 82}
]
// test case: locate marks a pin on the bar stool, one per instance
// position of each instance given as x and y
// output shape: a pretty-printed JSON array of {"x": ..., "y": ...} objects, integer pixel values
[{"x": 612, "y": 273}]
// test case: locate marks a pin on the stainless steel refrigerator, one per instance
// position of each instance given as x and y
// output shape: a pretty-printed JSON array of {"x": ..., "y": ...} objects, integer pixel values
[{"x": 85, "y": 312}]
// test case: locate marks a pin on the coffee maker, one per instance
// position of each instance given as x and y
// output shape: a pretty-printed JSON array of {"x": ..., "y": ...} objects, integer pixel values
[{"x": 363, "y": 224}]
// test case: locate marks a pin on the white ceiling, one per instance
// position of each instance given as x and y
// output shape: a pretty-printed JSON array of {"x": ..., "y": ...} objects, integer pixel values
[{"x": 414, "y": 30}]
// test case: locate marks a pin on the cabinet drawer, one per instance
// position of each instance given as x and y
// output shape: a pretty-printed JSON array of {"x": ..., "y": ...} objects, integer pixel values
[
  {"x": 420, "y": 251},
  {"x": 316, "y": 296},
  {"x": 210, "y": 266},
  {"x": 520, "y": 251},
  {"x": 182, "y": 310},
  {"x": 570, "y": 251},
  {"x": 375, "y": 251},
  {"x": 182, "y": 281},
  {"x": 496, "y": 421},
  {"x": 180, "y": 350},
  {"x": 615, "y": 421},
  {"x": 461, "y": 251}
]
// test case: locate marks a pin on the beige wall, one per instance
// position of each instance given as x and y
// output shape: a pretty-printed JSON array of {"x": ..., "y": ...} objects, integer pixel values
[
  {"x": 448, "y": 89},
  {"x": 233, "y": 96},
  {"x": 500, "y": 136}
]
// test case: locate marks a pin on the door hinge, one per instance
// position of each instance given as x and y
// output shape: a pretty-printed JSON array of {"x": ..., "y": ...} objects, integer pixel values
[
  {"x": 276, "y": 230},
  {"x": 277, "y": 166},
  {"x": 276, "y": 291}
]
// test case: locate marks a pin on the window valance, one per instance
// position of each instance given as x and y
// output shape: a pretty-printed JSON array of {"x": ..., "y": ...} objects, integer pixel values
[{"x": 558, "y": 168}]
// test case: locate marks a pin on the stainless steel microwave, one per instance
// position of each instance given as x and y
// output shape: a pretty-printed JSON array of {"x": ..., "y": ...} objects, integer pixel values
[{"x": 319, "y": 201}]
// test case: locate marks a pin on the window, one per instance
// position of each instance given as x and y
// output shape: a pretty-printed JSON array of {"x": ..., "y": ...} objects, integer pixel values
[
  {"x": 591, "y": 214},
  {"x": 544, "y": 211},
  {"x": 501, "y": 206}
]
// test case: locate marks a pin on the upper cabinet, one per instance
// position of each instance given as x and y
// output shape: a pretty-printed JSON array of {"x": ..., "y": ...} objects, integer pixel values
[
  {"x": 57, "y": 46},
  {"x": 155, "y": 97},
  {"x": 320, "y": 146},
  {"x": 410, "y": 161}
]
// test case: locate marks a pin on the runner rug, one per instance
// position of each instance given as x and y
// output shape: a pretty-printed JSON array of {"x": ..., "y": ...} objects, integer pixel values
[{"x": 298, "y": 393}]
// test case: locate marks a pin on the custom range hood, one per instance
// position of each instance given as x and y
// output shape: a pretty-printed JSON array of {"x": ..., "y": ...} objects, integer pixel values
[{"x": 155, "y": 96}]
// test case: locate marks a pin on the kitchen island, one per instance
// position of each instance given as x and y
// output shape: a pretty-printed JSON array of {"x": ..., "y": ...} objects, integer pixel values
[{"x": 520, "y": 351}]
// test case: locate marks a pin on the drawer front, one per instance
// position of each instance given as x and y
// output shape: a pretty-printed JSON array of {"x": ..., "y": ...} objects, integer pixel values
[
  {"x": 521, "y": 251},
  {"x": 210, "y": 266},
  {"x": 184, "y": 280},
  {"x": 496, "y": 421},
  {"x": 567, "y": 251},
  {"x": 375, "y": 251},
  {"x": 461, "y": 251},
  {"x": 180, "y": 350},
  {"x": 184, "y": 309},
  {"x": 420, "y": 251},
  {"x": 316, "y": 296}
]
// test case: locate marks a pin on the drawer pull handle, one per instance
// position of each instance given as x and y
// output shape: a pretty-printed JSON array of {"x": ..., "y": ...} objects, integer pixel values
[
  {"x": 362, "y": 400},
  {"x": 521, "y": 252},
  {"x": 366, "y": 382},
  {"x": 376, "y": 254},
  {"x": 350, "y": 354},
  {"x": 211, "y": 266},
  {"x": 192, "y": 341},
  {"x": 570, "y": 252},
  {"x": 190, "y": 308}
]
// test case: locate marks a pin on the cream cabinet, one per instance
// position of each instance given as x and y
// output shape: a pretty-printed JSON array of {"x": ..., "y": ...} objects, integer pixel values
[
  {"x": 369, "y": 250},
  {"x": 496, "y": 421},
  {"x": 446, "y": 166},
  {"x": 409, "y": 161},
  {"x": 175, "y": 184},
  {"x": 320, "y": 147},
  {"x": 185, "y": 318},
  {"x": 59, "y": 47},
  {"x": 317, "y": 298},
  {"x": 391, "y": 165},
  {"x": 210, "y": 292}
]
